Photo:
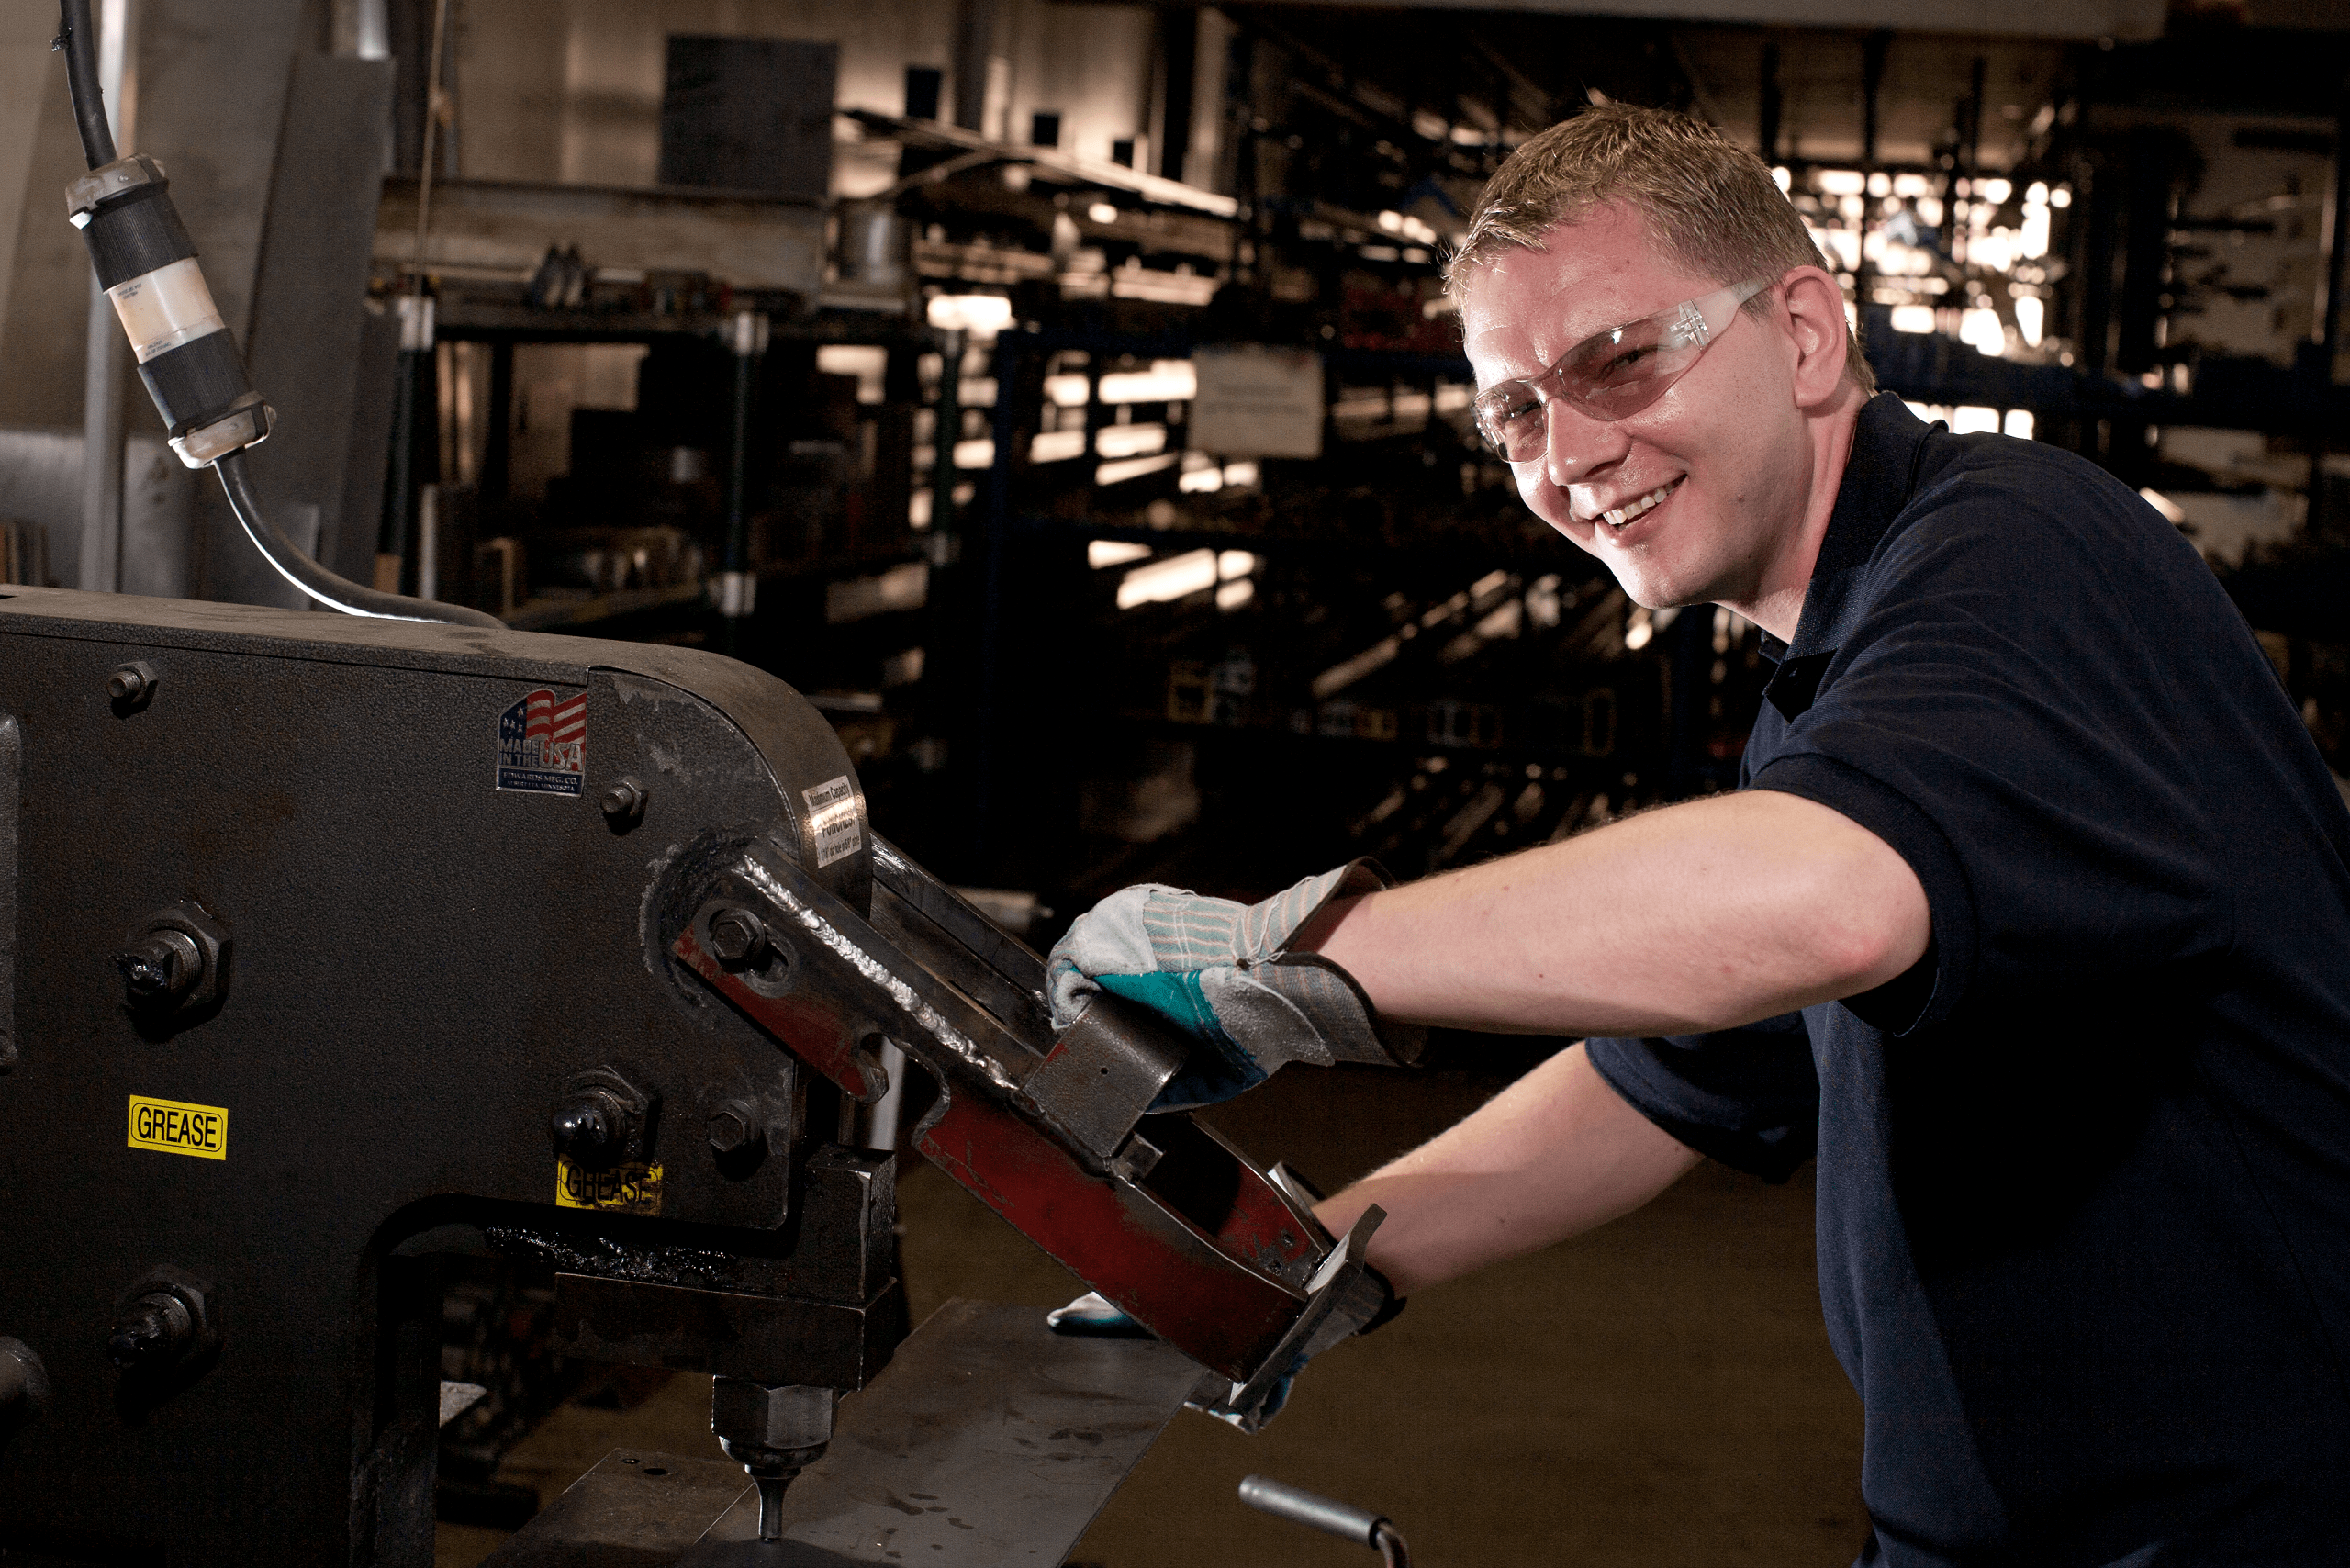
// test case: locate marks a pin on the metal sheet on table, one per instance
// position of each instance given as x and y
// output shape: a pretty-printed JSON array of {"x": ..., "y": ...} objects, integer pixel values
[
  {"x": 991, "y": 1439},
  {"x": 635, "y": 1510}
]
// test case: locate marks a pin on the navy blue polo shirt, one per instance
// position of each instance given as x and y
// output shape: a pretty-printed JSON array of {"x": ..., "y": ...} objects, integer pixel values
[{"x": 2084, "y": 1220}]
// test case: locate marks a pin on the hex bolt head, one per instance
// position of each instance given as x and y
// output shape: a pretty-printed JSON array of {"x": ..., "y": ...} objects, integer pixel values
[
  {"x": 152, "y": 1332},
  {"x": 735, "y": 1126},
  {"x": 624, "y": 803},
  {"x": 161, "y": 966},
  {"x": 129, "y": 685},
  {"x": 736, "y": 936}
]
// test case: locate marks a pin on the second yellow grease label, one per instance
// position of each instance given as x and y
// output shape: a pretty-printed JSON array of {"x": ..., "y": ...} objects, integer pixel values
[
  {"x": 624, "y": 1188},
  {"x": 170, "y": 1126}
]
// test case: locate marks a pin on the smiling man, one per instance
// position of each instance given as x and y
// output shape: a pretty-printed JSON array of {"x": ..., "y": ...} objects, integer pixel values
[{"x": 2030, "y": 918}]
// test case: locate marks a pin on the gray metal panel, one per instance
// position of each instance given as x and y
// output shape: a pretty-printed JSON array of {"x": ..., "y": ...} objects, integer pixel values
[
  {"x": 348, "y": 547},
  {"x": 308, "y": 310},
  {"x": 991, "y": 1439}
]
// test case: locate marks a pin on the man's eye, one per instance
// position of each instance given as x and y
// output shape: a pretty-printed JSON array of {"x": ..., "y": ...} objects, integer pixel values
[
  {"x": 1513, "y": 403},
  {"x": 1625, "y": 361}
]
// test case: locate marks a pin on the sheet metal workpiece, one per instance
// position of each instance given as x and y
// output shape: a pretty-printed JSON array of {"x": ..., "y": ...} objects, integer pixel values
[
  {"x": 990, "y": 1442},
  {"x": 436, "y": 930}
]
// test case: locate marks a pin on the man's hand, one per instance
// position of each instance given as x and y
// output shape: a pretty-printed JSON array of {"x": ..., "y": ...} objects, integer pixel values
[
  {"x": 1699, "y": 916},
  {"x": 1224, "y": 974}
]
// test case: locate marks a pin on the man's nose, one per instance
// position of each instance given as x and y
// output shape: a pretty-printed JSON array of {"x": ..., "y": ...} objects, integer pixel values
[{"x": 1579, "y": 444}]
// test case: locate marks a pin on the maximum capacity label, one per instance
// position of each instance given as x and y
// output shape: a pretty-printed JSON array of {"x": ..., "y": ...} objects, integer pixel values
[{"x": 173, "y": 1127}]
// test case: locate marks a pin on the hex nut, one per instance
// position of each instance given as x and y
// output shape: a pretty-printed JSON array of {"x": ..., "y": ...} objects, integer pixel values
[
  {"x": 776, "y": 1418},
  {"x": 165, "y": 1319},
  {"x": 130, "y": 687},
  {"x": 736, "y": 936},
  {"x": 734, "y": 1126},
  {"x": 603, "y": 1116},
  {"x": 623, "y": 804},
  {"x": 176, "y": 959}
]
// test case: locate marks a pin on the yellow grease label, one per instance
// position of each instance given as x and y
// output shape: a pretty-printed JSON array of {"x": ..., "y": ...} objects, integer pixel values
[
  {"x": 624, "y": 1189},
  {"x": 168, "y": 1126}
]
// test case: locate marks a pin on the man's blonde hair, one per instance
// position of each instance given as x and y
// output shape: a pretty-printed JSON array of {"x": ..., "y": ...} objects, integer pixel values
[{"x": 1712, "y": 208}]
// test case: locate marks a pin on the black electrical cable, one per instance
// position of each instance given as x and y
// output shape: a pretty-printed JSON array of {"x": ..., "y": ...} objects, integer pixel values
[
  {"x": 79, "y": 40},
  {"x": 334, "y": 592},
  {"x": 78, "y": 37}
]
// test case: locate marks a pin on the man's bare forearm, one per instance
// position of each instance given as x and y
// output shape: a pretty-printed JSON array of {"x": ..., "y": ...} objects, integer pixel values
[
  {"x": 1699, "y": 916},
  {"x": 1554, "y": 1155}
]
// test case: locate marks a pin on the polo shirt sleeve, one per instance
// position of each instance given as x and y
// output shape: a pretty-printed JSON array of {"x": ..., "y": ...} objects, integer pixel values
[
  {"x": 1996, "y": 711},
  {"x": 1747, "y": 1097}
]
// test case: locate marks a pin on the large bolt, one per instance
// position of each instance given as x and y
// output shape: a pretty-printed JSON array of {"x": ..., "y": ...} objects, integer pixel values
[
  {"x": 153, "y": 1331},
  {"x": 130, "y": 685},
  {"x": 591, "y": 1129},
  {"x": 736, "y": 936},
  {"x": 161, "y": 966}
]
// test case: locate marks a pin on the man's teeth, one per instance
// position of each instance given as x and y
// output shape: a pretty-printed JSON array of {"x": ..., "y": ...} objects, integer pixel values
[{"x": 1617, "y": 517}]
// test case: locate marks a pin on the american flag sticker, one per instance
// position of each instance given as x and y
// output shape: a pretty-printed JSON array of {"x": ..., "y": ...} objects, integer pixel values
[{"x": 542, "y": 744}]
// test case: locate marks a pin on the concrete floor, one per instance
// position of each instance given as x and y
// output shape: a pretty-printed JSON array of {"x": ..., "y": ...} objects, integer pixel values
[{"x": 1658, "y": 1393}]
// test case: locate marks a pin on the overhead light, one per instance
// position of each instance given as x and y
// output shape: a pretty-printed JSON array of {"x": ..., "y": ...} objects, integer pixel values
[
  {"x": 983, "y": 315},
  {"x": 1102, "y": 552}
]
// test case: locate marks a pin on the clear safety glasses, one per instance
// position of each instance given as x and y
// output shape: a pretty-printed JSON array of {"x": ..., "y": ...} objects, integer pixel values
[{"x": 1611, "y": 375}]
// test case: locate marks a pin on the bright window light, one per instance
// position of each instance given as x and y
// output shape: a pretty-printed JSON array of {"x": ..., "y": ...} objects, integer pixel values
[
  {"x": 1841, "y": 182},
  {"x": 2170, "y": 510},
  {"x": 983, "y": 315},
  {"x": 976, "y": 453},
  {"x": 1056, "y": 446},
  {"x": 1995, "y": 191},
  {"x": 1233, "y": 595},
  {"x": 1066, "y": 391},
  {"x": 2036, "y": 192},
  {"x": 1243, "y": 475},
  {"x": 2031, "y": 318},
  {"x": 1127, "y": 468},
  {"x": 1982, "y": 329},
  {"x": 1166, "y": 381},
  {"x": 1102, "y": 212},
  {"x": 1970, "y": 420},
  {"x": 1781, "y": 178},
  {"x": 1908, "y": 188},
  {"x": 1128, "y": 441},
  {"x": 1201, "y": 481},
  {"x": 1113, "y": 552},
  {"x": 1174, "y": 577},
  {"x": 1233, "y": 563},
  {"x": 1913, "y": 318},
  {"x": 2059, "y": 196},
  {"x": 2019, "y": 423}
]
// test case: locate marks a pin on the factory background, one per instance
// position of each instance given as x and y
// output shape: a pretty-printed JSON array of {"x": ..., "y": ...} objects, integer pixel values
[{"x": 1063, "y": 396}]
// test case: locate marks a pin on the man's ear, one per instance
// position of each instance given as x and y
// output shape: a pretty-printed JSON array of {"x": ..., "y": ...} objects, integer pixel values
[{"x": 1817, "y": 324}]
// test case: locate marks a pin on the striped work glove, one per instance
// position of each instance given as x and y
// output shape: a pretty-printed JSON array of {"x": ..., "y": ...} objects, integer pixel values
[{"x": 1218, "y": 971}]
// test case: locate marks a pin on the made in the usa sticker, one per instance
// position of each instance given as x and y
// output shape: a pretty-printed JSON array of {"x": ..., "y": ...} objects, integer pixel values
[
  {"x": 832, "y": 820},
  {"x": 542, "y": 744}
]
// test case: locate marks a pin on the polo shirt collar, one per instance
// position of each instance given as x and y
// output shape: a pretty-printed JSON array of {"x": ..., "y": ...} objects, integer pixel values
[{"x": 1880, "y": 475}]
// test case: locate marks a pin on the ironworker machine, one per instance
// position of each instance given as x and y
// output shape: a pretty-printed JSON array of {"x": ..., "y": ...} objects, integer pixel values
[
  {"x": 326, "y": 935},
  {"x": 328, "y": 943}
]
